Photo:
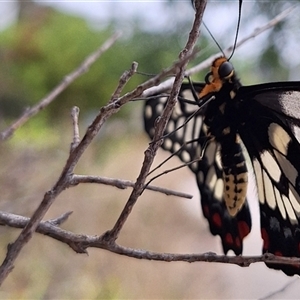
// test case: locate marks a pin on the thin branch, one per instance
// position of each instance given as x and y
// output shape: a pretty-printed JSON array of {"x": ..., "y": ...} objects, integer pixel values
[
  {"x": 61, "y": 219},
  {"x": 18, "y": 221},
  {"x": 207, "y": 62},
  {"x": 81, "y": 242},
  {"x": 76, "y": 136},
  {"x": 123, "y": 80},
  {"x": 171, "y": 170},
  {"x": 43, "y": 103},
  {"x": 150, "y": 153},
  {"x": 123, "y": 184}
]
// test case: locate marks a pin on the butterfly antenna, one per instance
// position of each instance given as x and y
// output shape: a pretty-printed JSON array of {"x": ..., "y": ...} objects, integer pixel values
[
  {"x": 237, "y": 28},
  {"x": 237, "y": 32},
  {"x": 211, "y": 35}
]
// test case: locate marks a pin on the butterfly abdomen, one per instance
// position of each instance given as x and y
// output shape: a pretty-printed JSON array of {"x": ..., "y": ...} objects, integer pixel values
[
  {"x": 222, "y": 120},
  {"x": 235, "y": 173}
]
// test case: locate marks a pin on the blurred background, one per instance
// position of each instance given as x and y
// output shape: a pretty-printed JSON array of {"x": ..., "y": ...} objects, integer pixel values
[{"x": 41, "y": 42}]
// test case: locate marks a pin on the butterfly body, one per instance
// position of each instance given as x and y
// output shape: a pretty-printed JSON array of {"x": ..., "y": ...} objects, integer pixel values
[
  {"x": 259, "y": 122},
  {"x": 222, "y": 119}
]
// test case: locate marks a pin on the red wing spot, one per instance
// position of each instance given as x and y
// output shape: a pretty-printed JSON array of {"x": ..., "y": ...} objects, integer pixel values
[
  {"x": 206, "y": 211},
  {"x": 296, "y": 266},
  {"x": 243, "y": 229},
  {"x": 238, "y": 242},
  {"x": 228, "y": 239},
  {"x": 217, "y": 220},
  {"x": 265, "y": 237}
]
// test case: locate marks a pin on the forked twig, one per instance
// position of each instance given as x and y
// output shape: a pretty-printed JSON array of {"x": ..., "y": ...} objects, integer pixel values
[
  {"x": 80, "y": 242},
  {"x": 150, "y": 153}
]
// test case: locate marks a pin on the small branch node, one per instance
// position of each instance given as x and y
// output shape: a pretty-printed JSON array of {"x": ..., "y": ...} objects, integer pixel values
[
  {"x": 125, "y": 77},
  {"x": 76, "y": 137},
  {"x": 61, "y": 219}
]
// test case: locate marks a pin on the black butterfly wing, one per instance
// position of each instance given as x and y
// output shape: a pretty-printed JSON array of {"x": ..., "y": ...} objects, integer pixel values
[
  {"x": 191, "y": 139},
  {"x": 232, "y": 230},
  {"x": 270, "y": 138}
]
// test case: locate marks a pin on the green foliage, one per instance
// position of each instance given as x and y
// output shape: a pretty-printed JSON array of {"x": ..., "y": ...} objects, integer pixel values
[{"x": 38, "y": 53}]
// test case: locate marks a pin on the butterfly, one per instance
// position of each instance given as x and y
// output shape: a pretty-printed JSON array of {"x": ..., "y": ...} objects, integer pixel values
[{"x": 217, "y": 132}]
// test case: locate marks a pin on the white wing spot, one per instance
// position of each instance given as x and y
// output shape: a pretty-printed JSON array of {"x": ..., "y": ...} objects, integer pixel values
[
  {"x": 176, "y": 146},
  {"x": 211, "y": 178},
  {"x": 159, "y": 108},
  {"x": 219, "y": 187},
  {"x": 294, "y": 199},
  {"x": 151, "y": 131},
  {"x": 185, "y": 156},
  {"x": 194, "y": 166},
  {"x": 170, "y": 126},
  {"x": 289, "y": 210},
  {"x": 287, "y": 168},
  {"x": 259, "y": 181},
  {"x": 271, "y": 165},
  {"x": 210, "y": 152},
  {"x": 269, "y": 192},
  {"x": 278, "y": 138},
  {"x": 168, "y": 143},
  {"x": 280, "y": 203},
  {"x": 148, "y": 112}
]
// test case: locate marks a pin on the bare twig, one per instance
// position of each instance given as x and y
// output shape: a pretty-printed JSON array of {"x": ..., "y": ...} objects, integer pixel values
[
  {"x": 76, "y": 136},
  {"x": 170, "y": 170},
  {"x": 150, "y": 153},
  {"x": 123, "y": 184},
  {"x": 83, "y": 68},
  {"x": 207, "y": 62},
  {"x": 18, "y": 221},
  {"x": 123, "y": 80},
  {"x": 61, "y": 219},
  {"x": 81, "y": 242}
]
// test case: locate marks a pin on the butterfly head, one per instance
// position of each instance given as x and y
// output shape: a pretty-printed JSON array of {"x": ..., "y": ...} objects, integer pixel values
[{"x": 221, "y": 71}]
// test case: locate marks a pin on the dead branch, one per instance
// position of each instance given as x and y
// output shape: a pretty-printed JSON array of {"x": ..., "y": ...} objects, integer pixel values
[
  {"x": 123, "y": 184},
  {"x": 81, "y": 242},
  {"x": 76, "y": 137},
  {"x": 150, "y": 153}
]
